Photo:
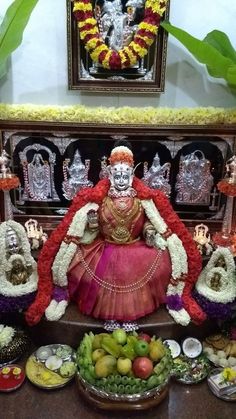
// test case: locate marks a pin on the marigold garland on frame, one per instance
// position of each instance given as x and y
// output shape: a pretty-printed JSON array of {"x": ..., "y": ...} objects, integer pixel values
[{"x": 128, "y": 55}]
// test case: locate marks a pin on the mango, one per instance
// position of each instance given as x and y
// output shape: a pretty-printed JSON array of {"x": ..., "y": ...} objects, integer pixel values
[{"x": 105, "y": 366}]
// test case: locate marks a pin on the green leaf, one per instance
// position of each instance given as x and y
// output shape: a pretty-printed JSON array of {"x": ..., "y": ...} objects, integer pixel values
[
  {"x": 231, "y": 76},
  {"x": 217, "y": 64},
  {"x": 220, "y": 41},
  {"x": 12, "y": 27}
]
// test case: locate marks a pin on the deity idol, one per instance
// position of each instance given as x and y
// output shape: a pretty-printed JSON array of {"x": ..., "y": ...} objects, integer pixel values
[{"x": 119, "y": 253}]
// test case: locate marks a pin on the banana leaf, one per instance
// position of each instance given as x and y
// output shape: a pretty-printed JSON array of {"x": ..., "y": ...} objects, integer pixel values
[
  {"x": 12, "y": 29},
  {"x": 220, "y": 41},
  {"x": 215, "y": 51}
]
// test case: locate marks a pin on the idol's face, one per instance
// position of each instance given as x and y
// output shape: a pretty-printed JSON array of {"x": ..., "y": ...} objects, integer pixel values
[
  {"x": 121, "y": 176},
  {"x": 121, "y": 181}
]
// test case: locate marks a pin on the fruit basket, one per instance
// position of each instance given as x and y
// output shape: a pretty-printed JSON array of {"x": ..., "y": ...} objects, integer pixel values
[{"x": 123, "y": 371}]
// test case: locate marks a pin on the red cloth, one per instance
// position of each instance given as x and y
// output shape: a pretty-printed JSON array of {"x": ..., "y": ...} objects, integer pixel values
[{"x": 97, "y": 194}]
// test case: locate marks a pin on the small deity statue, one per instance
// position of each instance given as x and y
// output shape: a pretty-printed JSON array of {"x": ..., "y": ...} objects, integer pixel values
[
  {"x": 203, "y": 239},
  {"x": 119, "y": 253},
  {"x": 215, "y": 283},
  {"x": 19, "y": 273},
  {"x": 104, "y": 174},
  {"x": 38, "y": 175},
  {"x": 39, "y": 178},
  {"x": 36, "y": 236},
  {"x": 78, "y": 176},
  {"x": 12, "y": 242},
  {"x": 215, "y": 289},
  {"x": 18, "y": 269},
  {"x": 157, "y": 177},
  {"x": 194, "y": 180},
  {"x": 116, "y": 27}
]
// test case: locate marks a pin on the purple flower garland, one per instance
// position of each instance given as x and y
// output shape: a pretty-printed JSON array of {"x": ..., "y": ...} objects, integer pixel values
[
  {"x": 218, "y": 311},
  {"x": 12, "y": 304}
]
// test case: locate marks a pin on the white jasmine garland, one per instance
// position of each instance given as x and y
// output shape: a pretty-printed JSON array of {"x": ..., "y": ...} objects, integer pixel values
[
  {"x": 227, "y": 290},
  {"x": 228, "y": 257},
  {"x": 67, "y": 250},
  {"x": 180, "y": 316},
  {"x": 160, "y": 242},
  {"x": 154, "y": 216},
  {"x": 178, "y": 256},
  {"x": 55, "y": 310},
  {"x": 23, "y": 241},
  {"x": 61, "y": 278},
  {"x": 176, "y": 249},
  {"x": 6, "y": 335}
]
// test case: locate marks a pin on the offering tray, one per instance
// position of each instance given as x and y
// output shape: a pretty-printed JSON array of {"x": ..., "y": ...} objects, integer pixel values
[
  {"x": 111, "y": 401},
  {"x": 51, "y": 366},
  {"x": 226, "y": 397},
  {"x": 11, "y": 377},
  {"x": 190, "y": 371}
]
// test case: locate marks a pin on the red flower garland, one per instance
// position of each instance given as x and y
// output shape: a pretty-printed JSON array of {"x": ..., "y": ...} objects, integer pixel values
[
  {"x": 6, "y": 184},
  {"x": 227, "y": 188},
  {"x": 96, "y": 194}
]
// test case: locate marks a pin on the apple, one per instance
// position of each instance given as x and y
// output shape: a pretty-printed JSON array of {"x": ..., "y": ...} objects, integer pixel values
[
  {"x": 141, "y": 347},
  {"x": 144, "y": 336},
  {"x": 120, "y": 336},
  {"x": 124, "y": 365},
  {"x": 142, "y": 367}
]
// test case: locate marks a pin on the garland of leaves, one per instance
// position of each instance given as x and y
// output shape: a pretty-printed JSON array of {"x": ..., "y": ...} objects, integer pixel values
[{"x": 129, "y": 55}]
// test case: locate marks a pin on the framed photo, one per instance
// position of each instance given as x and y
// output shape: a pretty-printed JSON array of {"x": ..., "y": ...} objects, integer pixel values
[{"x": 117, "y": 64}]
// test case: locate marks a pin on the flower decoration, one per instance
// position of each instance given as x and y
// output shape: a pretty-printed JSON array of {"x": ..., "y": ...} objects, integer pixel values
[
  {"x": 123, "y": 115},
  {"x": 8, "y": 183},
  {"x": 229, "y": 374},
  {"x": 217, "y": 297},
  {"x": 129, "y": 55},
  {"x": 227, "y": 188},
  {"x": 190, "y": 310},
  {"x": 6, "y": 335}
]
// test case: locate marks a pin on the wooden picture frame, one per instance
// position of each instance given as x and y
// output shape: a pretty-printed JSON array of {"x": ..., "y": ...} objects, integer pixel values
[{"x": 148, "y": 76}]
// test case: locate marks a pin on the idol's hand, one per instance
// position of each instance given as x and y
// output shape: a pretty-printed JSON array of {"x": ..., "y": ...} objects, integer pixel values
[
  {"x": 150, "y": 237},
  {"x": 93, "y": 219}
]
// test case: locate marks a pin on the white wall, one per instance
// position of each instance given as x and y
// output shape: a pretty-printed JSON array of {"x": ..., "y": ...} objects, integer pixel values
[{"x": 38, "y": 68}]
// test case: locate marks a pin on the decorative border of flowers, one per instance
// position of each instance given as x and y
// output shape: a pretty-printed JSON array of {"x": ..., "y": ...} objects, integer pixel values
[
  {"x": 125, "y": 115},
  {"x": 130, "y": 54}
]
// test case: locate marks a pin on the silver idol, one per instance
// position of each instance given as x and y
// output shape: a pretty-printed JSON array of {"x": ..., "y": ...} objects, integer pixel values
[
  {"x": 38, "y": 175},
  {"x": 75, "y": 175},
  {"x": 194, "y": 180},
  {"x": 157, "y": 177}
]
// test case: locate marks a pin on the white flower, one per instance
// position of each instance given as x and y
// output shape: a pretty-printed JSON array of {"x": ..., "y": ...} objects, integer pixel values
[
  {"x": 154, "y": 216},
  {"x": 226, "y": 292},
  {"x": 67, "y": 251},
  {"x": 180, "y": 316},
  {"x": 6, "y": 335}
]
